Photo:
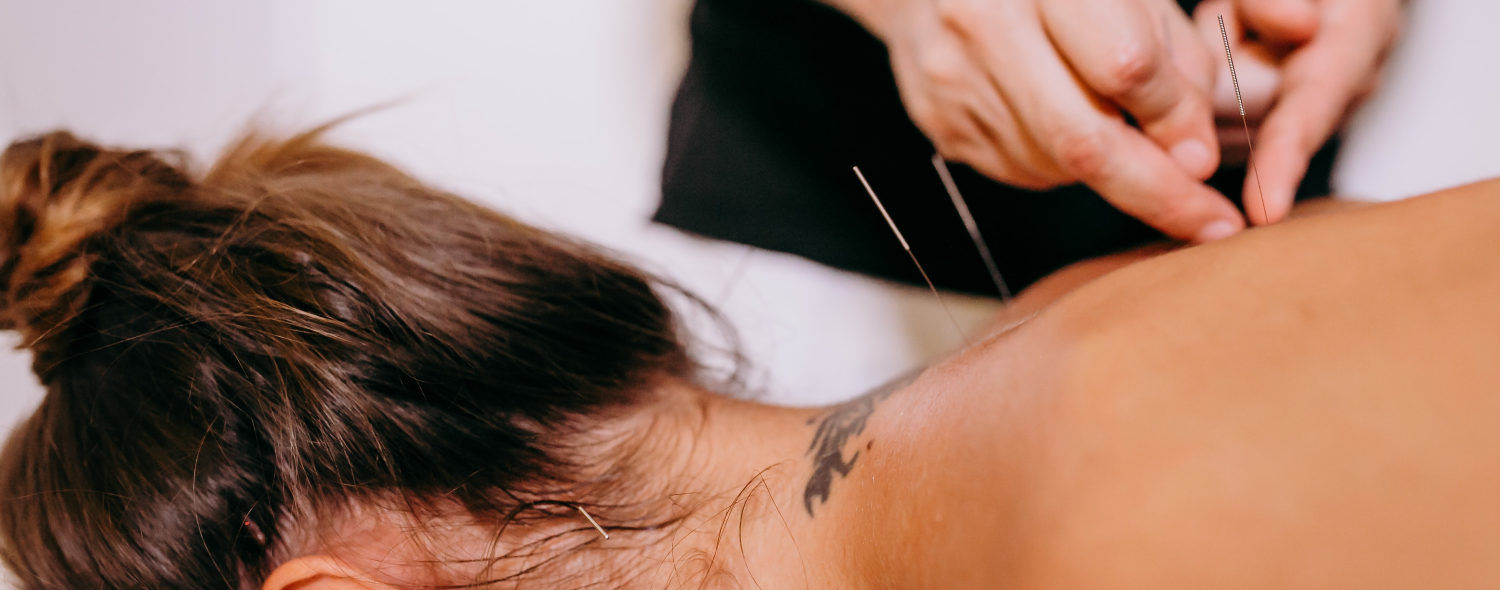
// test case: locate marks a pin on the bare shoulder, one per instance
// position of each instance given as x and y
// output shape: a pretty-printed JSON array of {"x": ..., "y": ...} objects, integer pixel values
[{"x": 1309, "y": 405}]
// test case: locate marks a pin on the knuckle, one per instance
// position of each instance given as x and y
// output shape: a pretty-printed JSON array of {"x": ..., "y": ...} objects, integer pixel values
[
  {"x": 1033, "y": 172},
  {"x": 987, "y": 164},
  {"x": 943, "y": 68},
  {"x": 1392, "y": 34},
  {"x": 942, "y": 133},
  {"x": 1034, "y": 182},
  {"x": 955, "y": 153},
  {"x": 1010, "y": 172},
  {"x": 1082, "y": 153},
  {"x": 1132, "y": 66},
  {"x": 960, "y": 15},
  {"x": 1172, "y": 211},
  {"x": 1368, "y": 88},
  {"x": 922, "y": 113}
]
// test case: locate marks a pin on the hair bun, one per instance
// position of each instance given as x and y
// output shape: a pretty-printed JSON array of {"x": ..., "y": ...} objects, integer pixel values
[{"x": 57, "y": 194}]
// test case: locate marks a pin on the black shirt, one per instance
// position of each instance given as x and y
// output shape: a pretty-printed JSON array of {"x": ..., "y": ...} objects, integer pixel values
[{"x": 780, "y": 100}]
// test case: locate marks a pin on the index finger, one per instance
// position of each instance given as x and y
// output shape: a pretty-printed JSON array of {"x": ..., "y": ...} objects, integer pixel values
[
  {"x": 1121, "y": 51},
  {"x": 1320, "y": 83},
  {"x": 1134, "y": 175}
]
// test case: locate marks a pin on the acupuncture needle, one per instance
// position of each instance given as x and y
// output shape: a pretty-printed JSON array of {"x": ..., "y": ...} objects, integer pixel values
[
  {"x": 1223, "y": 32},
  {"x": 907, "y": 247},
  {"x": 971, "y": 226}
]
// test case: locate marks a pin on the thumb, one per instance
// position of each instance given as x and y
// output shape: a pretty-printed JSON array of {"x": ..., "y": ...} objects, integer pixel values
[{"x": 1291, "y": 22}]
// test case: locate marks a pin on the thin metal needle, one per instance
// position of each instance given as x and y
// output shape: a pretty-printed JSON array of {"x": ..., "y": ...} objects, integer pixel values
[
  {"x": 1223, "y": 32},
  {"x": 963, "y": 212},
  {"x": 592, "y": 522},
  {"x": 905, "y": 246}
]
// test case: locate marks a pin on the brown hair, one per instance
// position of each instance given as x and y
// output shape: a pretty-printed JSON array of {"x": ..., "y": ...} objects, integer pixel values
[{"x": 301, "y": 326}]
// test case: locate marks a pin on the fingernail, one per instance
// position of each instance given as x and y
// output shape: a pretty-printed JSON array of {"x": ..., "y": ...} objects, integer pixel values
[
  {"x": 1192, "y": 155},
  {"x": 1216, "y": 231}
]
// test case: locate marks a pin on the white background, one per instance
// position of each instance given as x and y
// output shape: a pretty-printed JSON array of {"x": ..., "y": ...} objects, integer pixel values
[
  {"x": 555, "y": 111},
  {"x": 552, "y": 111}
]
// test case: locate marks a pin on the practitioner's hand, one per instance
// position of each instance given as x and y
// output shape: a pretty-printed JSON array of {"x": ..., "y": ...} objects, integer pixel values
[
  {"x": 1335, "y": 50},
  {"x": 1034, "y": 93}
]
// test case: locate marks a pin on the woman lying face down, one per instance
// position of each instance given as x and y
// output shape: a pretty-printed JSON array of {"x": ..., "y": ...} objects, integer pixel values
[{"x": 306, "y": 370}]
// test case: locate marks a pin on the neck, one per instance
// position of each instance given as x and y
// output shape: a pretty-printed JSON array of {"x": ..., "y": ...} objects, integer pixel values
[{"x": 742, "y": 468}]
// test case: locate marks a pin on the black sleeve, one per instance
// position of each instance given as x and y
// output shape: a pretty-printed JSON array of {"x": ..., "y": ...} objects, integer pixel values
[{"x": 780, "y": 100}]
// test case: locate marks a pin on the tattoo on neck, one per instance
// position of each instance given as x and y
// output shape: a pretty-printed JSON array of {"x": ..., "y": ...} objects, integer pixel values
[{"x": 835, "y": 427}]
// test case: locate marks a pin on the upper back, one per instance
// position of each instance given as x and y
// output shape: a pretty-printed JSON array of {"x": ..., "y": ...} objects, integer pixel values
[{"x": 1306, "y": 406}]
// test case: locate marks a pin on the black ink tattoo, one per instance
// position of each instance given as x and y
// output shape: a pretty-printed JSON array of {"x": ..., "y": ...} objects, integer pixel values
[{"x": 835, "y": 428}]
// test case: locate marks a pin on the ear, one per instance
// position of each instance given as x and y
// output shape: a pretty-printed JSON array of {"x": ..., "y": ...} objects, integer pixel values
[{"x": 319, "y": 572}]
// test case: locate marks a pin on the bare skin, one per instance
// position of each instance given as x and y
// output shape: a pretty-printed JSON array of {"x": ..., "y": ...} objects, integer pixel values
[
  {"x": 1337, "y": 428},
  {"x": 1315, "y": 404}
]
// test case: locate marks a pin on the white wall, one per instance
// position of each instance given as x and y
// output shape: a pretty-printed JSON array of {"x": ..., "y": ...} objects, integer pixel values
[
  {"x": 1436, "y": 119},
  {"x": 155, "y": 73},
  {"x": 555, "y": 111},
  {"x": 552, "y": 111}
]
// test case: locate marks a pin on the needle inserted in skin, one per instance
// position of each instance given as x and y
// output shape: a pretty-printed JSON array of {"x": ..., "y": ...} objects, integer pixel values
[
  {"x": 905, "y": 246},
  {"x": 1223, "y": 32},
  {"x": 963, "y": 212},
  {"x": 591, "y": 521}
]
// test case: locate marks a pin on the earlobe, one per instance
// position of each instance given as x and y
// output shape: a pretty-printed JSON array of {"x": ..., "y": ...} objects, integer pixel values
[{"x": 318, "y": 572}]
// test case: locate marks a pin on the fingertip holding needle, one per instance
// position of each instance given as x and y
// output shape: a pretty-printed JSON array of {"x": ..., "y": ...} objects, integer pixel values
[
  {"x": 971, "y": 226},
  {"x": 907, "y": 248},
  {"x": 1240, "y": 100}
]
